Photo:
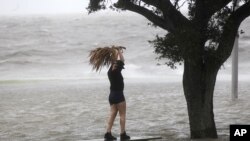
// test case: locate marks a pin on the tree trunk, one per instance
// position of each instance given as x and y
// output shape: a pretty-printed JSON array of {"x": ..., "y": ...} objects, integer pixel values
[{"x": 198, "y": 84}]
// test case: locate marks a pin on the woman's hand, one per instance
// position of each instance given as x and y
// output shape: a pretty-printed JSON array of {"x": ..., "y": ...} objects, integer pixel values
[
  {"x": 120, "y": 55},
  {"x": 120, "y": 50}
]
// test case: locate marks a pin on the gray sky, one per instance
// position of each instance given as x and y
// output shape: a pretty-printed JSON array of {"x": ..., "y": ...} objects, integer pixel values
[
  {"x": 30, "y": 7},
  {"x": 13, "y": 7}
]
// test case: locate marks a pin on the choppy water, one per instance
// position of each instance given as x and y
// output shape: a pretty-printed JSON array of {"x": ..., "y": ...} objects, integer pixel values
[
  {"x": 50, "y": 47},
  {"x": 48, "y": 91},
  {"x": 77, "y": 110}
]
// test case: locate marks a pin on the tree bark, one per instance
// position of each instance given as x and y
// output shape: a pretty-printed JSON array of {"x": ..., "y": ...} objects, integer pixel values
[{"x": 198, "y": 84}]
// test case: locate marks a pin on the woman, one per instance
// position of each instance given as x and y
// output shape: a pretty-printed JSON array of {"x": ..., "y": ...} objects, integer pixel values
[{"x": 116, "y": 97}]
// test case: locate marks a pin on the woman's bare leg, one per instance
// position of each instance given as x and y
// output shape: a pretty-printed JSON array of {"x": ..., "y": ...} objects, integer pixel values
[
  {"x": 113, "y": 113},
  {"x": 122, "y": 112}
]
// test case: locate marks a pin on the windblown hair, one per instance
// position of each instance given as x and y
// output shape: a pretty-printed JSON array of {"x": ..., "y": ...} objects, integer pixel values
[{"x": 103, "y": 56}]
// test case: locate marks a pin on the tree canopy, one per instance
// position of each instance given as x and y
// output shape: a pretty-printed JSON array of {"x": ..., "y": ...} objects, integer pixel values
[{"x": 208, "y": 21}]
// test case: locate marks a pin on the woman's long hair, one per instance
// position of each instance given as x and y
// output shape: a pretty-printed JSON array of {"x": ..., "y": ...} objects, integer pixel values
[{"x": 103, "y": 56}]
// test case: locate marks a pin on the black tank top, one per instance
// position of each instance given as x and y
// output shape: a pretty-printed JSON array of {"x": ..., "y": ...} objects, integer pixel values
[{"x": 116, "y": 79}]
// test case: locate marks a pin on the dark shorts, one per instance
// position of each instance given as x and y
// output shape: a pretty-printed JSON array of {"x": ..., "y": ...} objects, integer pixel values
[{"x": 116, "y": 97}]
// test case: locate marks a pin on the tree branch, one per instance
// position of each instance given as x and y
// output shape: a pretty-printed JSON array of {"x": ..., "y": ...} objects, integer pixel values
[
  {"x": 95, "y": 5},
  {"x": 213, "y": 8},
  {"x": 205, "y": 9},
  {"x": 169, "y": 11},
  {"x": 155, "y": 3},
  {"x": 201, "y": 13},
  {"x": 230, "y": 31},
  {"x": 166, "y": 24}
]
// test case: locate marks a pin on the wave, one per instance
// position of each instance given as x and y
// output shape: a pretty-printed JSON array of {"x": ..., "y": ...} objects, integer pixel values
[
  {"x": 245, "y": 37},
  {"x": 15, "y": 62},
  {"x": 22, "y": 53},
  {"x": 54, "y": 47}
]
